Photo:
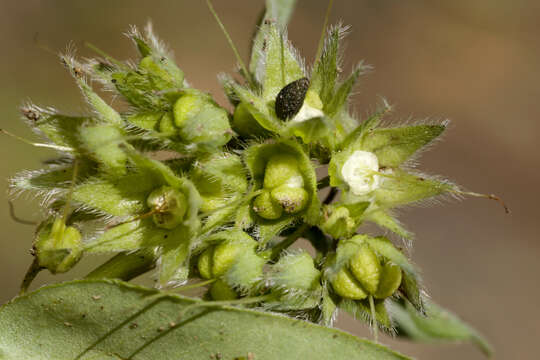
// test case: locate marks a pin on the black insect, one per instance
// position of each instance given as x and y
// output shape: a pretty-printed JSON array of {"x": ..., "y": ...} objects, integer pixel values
[{"x": 290, "y": 99}]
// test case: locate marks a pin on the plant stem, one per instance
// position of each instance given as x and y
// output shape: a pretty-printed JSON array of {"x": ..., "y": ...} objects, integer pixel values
[
  {"x": 288, "y": 241},
  {"x": 374, "y": 319},
  {"x": 231, "y": 44}
]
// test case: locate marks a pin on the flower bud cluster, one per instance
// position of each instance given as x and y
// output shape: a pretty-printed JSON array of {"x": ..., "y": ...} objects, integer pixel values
[{"x": 283, "y": 188}]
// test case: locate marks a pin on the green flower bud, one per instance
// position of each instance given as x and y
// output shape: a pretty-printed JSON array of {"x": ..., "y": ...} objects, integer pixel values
[
  {"x": 390, "y": 281},
  {"x": 345, "y": 285},
  {"x": 216, "y": 260},
  {"x": 170, "y": 206},
  {"x": 221, "y": 291},
  {"x": 292, "y": 199},
  {"x": 164, "y": 75},
  {"x": 366, "y": 268},
  {"x": 187, "y": 107},
  {"x": 282, "y": 169},
  {"x": 58, "y": 247},
  {"x": 166, "y": 125},
  {"x": 339, "y": 223},
  {"x": 266, "y": 207}
]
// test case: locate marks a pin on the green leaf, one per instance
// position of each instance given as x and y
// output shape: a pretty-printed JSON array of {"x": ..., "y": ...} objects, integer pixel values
[
  {"x": 89, "y": 319},
  {"x": 393, "y": 146},
  {"x": 438, "y": 325}
]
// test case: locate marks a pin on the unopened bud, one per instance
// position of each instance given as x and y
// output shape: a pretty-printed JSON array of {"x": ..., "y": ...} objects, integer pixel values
[
  {"x": 169, "y": 206},
  {"x": 266, "y": 207},
  {"x": 292, "y": 199}
]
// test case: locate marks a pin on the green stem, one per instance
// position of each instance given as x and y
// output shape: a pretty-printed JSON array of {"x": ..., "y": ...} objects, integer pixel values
[
  {"x": 30, "y": 275},
  {"x": 231, "y": 44},
  {"x": 288, "y": 241},
  {"x": 374, "y": 325}
]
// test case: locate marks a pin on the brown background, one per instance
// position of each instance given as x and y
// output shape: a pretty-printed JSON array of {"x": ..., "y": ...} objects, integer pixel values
[{"x": 474, "y": 62}]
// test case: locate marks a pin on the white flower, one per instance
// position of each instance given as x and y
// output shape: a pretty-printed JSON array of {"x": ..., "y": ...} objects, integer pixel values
[
  {"x": 307, "y": 112},
  {"x": 359, "y": 172}
]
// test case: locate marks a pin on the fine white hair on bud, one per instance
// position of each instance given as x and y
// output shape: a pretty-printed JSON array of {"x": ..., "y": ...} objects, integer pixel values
[{"x": 359, "y": 172}]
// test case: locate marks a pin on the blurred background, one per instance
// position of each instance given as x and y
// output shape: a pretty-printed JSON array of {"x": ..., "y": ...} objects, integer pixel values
[{"x": 473, "y": 62}]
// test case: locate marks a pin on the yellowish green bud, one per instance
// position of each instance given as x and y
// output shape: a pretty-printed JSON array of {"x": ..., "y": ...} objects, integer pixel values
[
  {"x": 366, "y": 268},
  {"x": 186, "y": 107},
  {"x": 281, "y": 169},
  {"x": 292, "y": 199},
  {"x": 346, "y": 286},
  {"x": 390, "y": 281},
  {"x": 221, "y": 291},
  {"x": 58, "y": 247},
  {"x": 266, "y": 207}
]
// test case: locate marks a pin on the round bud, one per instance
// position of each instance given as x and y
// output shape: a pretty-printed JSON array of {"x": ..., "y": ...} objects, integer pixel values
[
  {"x": 170, "y": 206},
  {"x": 187, "y": 107},
  {"x": 204, "y": 263},
  {"x": 221, "y": 291},
  {"x": 346, "y": 286},
  {"x": 366, "y": 268},
  {"x": 390, "y": 281},
  {"x": 292, "y": 199},
  {"x": 280, "y": 169},
  {"x": 266, "y": 207},
  {"x": 58, "y": 247}
]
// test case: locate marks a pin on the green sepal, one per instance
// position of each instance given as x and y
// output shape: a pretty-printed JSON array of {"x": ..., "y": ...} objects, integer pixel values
[
  {"x": 279, "y": 11},
  {"x": 342, "y": 93},
  {"x": 361, "y": 310},
  {"x": 57, "y": 247},
  {"x": 294, "y": 271},
  {"x": 325, "y": 72},
  {"x": 132, "y": 235},
  {"x": 60, "y": 129},
  {"x": 173, "y": 264},
  {"x": 245, "y": 124},
  {"x": 148, "y": 120},
  {"x": 201, "y": 121},
  {"x": 280, "y": 64},
  {"x": 122, "y": 196},
  {"x": 328, "y": 306},
  {"x": 102, "y": 142},
  {"x": 54, "y": 178},
  {"x": 263, "y": 113},
  {"x": 220, "y": 179},
  {"x": 385, "y": 219},
  {"x": 342, "y": 220},
  {"x": 394, "y": 146},
  {"x": 246, "y": 272},
  {"x": 126, "y": 265},
  {"x": 437, "y": 325},
  {"x": 400, "y": 188}
]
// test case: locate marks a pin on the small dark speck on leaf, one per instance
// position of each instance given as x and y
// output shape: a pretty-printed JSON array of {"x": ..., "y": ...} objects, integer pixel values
[
  {"x": 68, "y": 324},
  {"x": 160, "y": 329},
  {"x": 96, "y": 297},
  {"x": 133, "y": 325},
  {"x": 334, "y": 336}
]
